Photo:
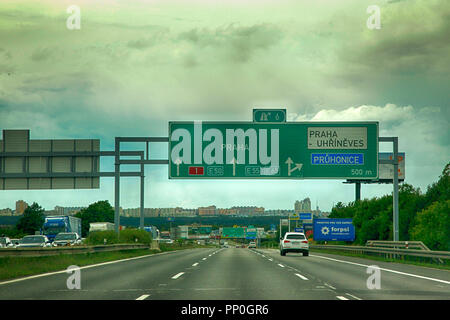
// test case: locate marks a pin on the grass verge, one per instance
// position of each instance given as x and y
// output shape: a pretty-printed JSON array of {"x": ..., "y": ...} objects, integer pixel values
[
  {"x": 445, "y": 266},
  {"x": 17, "y": 267}
]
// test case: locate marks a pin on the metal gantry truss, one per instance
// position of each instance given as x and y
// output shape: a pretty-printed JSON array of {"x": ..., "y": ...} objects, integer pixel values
[
  {"x": 394, "y": 181},
  {"x": 142, "y": 161},
  {"x": 145, "y": 160}
]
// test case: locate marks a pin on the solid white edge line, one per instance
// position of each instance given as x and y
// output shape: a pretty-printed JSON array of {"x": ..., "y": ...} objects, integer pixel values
[
  {"x": 84, "y": 267},
  {"x": 341, "y": 298},
  {"x": 353, "y": 296},
  {"x": 143, "y": 297},
  {"x": 178, "y": 275},
  {"x": 388, "y": 270},
  {"x": 300, "y": 276}
]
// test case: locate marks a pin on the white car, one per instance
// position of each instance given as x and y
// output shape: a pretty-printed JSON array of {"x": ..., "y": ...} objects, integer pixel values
[
  {"x": 252, "y": 245},
  {"x": 5, "y": 242},
  {"x": 67, "y": 239},
  {"x": 294, "y": 242}
]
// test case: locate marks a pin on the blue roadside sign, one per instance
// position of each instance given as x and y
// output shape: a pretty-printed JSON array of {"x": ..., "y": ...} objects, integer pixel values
[
  {"x": 334, "y": 230},
  {"x": 301, "y": 230},
  {"x": 250, "y": 234},
  {"x": 305, "y": 216}
]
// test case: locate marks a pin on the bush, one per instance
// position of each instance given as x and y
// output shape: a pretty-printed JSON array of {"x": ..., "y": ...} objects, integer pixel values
[
  {"x": 433, "y": 226},
  {"x": 135, "y": 236},
  {"x": 126, "y": 236},
  {"x": 98, "y": 237}
]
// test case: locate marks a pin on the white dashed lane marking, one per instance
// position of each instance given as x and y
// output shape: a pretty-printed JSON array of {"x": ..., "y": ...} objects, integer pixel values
[
  {"x": 178, "y": 275},
  {"x": 301, "y": 277}
]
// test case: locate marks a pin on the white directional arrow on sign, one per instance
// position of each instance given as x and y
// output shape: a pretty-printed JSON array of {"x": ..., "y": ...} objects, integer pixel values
[
  {"x": 289, "y": 162},
  {"x": 234, "y": 161},
  {"x": 178, "y": 162}
]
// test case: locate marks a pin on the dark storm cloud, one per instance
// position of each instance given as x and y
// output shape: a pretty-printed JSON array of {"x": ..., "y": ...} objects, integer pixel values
[
  {"x": 413, "y": 39},
  {"x": 41, "y": 54},
  {"x": 239, "y": 43}
]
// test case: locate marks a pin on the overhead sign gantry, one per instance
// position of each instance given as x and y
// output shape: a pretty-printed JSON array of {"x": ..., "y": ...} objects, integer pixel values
[{"x": 267, "y": 148}]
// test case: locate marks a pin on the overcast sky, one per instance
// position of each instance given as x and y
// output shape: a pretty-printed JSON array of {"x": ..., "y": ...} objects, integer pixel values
[{"x": 135, "y": 65}]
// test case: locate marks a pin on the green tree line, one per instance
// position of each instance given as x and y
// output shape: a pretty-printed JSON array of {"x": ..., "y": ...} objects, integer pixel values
[{"x": 422, "y": 216}]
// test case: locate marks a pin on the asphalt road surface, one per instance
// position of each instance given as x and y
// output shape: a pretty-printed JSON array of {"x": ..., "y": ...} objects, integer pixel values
[{"x": 237, "y": 274}]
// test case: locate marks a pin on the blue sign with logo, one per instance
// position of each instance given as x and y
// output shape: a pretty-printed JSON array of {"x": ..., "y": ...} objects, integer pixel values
[
  {"x": 337, "y": 158},
  {"x": 250, "y": 233},
  {"x": 305, "y": 216},
  {"x": 334, "y": 230}
]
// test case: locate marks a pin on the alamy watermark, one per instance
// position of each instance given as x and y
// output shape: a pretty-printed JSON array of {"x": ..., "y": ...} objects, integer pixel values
[
  {"x": 73, "y": 22},
  {"x": 374, "y": 20},
  {"x": 74, "y": 280},
  {"x": 374, "y": 280}
]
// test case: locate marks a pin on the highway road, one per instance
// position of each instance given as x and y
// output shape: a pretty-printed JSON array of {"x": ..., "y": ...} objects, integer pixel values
[{"x": 236, "y": 274}]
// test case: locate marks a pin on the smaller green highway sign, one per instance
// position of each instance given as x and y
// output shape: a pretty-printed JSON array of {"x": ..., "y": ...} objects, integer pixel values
[
  {"x": 269, "y": 115},
  {"x": 233, "y": 233}
]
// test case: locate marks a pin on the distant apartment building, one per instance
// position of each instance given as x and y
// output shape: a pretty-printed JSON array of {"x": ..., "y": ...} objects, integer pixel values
[
  {"x": 160, "y": 212},
  {"x": 227, "y": 212},
  {"x": 67, "y": 211},
  {"x": 303, "y": 206},
  {"x": 182, "y": 212},
  {"x": 319, "y": 214},
  {"x": 249, "y": 211},
  {"x": 20, "y": 207},
  {"x": 207, "y": 211},
  {"x": 6, "y": 212},
  {"x": 278, "y": 212}
]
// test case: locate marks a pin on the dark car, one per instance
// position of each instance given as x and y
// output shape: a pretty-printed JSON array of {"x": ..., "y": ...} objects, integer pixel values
[{"x": 34, "y": 241}]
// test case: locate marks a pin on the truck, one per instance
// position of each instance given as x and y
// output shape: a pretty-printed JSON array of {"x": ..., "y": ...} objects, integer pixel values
[
  {"x": 153, "y": 231},
  {"x": 101, "y": 226},
  {"x": 56, "y": 224}
]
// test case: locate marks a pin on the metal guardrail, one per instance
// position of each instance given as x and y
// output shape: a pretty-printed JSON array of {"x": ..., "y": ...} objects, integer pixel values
[
  {"x": 398, "y": 244},
  {"x": 386, "y": 251},
  {"x": 39, "y": 252}
]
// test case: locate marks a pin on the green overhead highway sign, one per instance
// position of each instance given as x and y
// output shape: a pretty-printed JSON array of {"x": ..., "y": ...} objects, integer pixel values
[
  {"x": 290, "y": 150},
  {"x": 234, "y": 233}
]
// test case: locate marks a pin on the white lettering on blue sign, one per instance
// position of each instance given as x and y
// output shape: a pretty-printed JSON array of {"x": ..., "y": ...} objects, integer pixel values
[{"x": 337, "y": 158}]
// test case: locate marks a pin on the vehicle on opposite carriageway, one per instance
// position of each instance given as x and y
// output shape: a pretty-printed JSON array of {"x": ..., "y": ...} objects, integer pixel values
[
  {"x": 6, "y": 242},
  {"x": 67, "y": 239},
  {"x": 34, "y": 241}
]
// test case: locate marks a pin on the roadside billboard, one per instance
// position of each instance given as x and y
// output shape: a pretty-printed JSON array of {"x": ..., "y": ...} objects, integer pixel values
[{"x": 334, "y": 230}]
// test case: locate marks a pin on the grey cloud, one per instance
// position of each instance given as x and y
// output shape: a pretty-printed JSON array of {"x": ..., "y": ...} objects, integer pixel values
[
  {"x": 413, "y": 39},
  {"x": 41, "y": 54},
  {"x": 238, "y": 43}
]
